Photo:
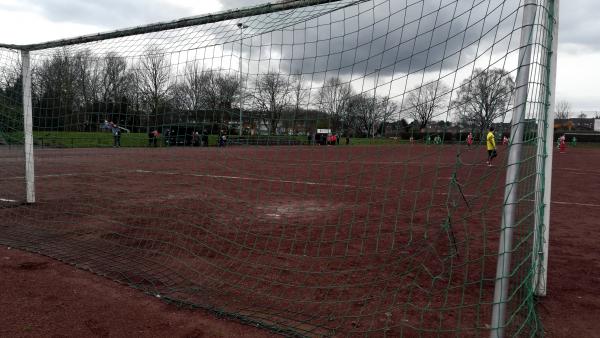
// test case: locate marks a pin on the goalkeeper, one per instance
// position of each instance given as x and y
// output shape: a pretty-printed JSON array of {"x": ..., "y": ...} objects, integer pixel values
[{"x": 491, "y": 146}]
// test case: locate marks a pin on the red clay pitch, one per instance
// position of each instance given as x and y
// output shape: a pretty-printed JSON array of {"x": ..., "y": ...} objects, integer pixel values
[{"x": 39, "y": 305}]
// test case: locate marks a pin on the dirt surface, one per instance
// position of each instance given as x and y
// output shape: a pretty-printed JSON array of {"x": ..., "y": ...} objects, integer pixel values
[
  {"x": 572, "y": 305},
  {"x": 42, "y": 297},
  {"x": 257, "y": 221}
]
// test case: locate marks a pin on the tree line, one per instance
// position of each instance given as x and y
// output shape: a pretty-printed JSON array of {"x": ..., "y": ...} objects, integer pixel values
[{"x": 76, "y": 91}]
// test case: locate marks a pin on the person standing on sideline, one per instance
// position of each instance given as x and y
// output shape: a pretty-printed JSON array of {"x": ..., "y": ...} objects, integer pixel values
[
  {"x": 116, "y": 131},
  {"x": 195, "y": 139},
  {"x": 154, "y": 137},
  {"x": 562, "y": 144},
  {"x": 470, "y": 140},
  {"x": 491, "y": 146}
]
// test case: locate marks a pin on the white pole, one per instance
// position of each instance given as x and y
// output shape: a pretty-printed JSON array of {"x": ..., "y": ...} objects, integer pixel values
[
  {"x": 28, "y": 128},
  {"x": 542, "y": 225},
  {"x": 375, "y": 101},
  {"x": 503, "y": 270},
  {"x": 241, "y": 26}
]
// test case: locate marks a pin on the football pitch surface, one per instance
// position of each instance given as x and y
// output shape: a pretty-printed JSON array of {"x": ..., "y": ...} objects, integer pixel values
[{"x": 315, "y": 240}]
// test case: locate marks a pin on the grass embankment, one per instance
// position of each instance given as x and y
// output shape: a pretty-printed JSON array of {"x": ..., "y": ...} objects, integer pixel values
[{"x": 73, "y": 139}]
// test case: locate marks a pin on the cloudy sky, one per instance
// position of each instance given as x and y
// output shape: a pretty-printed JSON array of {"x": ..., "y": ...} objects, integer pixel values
[{"x": 30, "y": 21}]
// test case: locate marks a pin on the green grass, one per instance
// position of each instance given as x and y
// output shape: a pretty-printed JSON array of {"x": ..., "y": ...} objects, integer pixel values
[
  {"x": 359, "y": 141},
  {"x": 72, "y": 139}
]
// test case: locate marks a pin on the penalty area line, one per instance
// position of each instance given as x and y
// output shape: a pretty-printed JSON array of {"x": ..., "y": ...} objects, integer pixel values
[
  {"x": 577, "y": 204},
  {"x": 247, "y": 178},
  {"x": 259, "y": 179},
  {"x": 322, "y": 184}
]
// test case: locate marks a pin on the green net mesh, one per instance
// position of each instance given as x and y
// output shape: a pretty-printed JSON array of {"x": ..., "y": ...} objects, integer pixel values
[{"x": 320, "y": 170}]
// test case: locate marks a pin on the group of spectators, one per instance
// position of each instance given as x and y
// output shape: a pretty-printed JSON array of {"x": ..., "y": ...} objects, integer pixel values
[
  {"x": 171, "y": 138},
  {"x": 326, "y": 139}
]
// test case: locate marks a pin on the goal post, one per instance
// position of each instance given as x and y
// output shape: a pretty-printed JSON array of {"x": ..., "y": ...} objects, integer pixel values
[
  {"x": 314, "y": 167},
  {"x": 509, "y": 214},
  {"x": 28, "y": 129},
  {"x": 546, "y": 151}
]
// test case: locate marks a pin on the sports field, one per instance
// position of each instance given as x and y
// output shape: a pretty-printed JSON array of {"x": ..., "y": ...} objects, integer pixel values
[{"x": 385, "y": 240}]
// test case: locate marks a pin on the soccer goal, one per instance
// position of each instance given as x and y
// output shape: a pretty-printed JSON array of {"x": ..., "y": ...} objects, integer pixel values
[{"x": 313, "y": 167}]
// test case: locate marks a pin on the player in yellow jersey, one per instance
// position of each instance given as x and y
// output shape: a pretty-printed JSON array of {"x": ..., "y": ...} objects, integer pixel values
[{"x": 491, "y": 146}]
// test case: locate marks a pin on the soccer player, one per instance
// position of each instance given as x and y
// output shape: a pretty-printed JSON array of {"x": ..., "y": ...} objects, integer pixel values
[
  {"x": 562, "y": 143},
  {"x": 505, "y": 141},
  {"x": 470, "y": 139},
  {"x": 116, "y": 131},
  {"x": 491, "y": 146}
]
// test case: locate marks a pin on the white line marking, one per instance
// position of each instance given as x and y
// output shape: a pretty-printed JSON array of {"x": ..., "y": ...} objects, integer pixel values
[
  {"x": 327, "y": 184},
  {"x": 578, "y": 204},
  {"x": 277, "y": 181},
  {"x": 70, "y": 174},
  {"x": 248, "y": 178},
  {"x": 578, "y": 170}
]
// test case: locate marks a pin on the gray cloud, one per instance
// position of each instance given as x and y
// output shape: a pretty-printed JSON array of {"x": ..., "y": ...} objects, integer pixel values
[
  {"x": 392, "y": 39},
  {"x": 400, "y": 38},
  {"x": 579, "y": 23},
  {"x": 107, "y": 13}
]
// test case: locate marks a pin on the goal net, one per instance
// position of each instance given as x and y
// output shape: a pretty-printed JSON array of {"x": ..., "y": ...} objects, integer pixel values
[
  {"x": 12, "y": 168},
  {"x": 311, "y": 167}
]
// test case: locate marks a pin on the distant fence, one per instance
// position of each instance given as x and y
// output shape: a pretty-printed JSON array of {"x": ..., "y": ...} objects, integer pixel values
[
  {"x": 580, "y": 137},
  {"x": 268, "y": 140}
]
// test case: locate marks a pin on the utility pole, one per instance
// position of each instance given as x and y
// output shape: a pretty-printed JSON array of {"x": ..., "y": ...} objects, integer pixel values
[{"x": 241, "y": 26}]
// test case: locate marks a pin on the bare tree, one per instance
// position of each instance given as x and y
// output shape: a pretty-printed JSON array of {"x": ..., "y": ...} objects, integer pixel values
[
  {"x": 88, "y": 77},
  {"x": 369, "y": 114},
  {"x": 299, "y": 95},
  {"x": 426, "y": 101},
  {"x": 271, "y": 96},
  {"x": 227, "y": 88},
  {"x": 562, "y": 109},
  {"x": 11, "y": 89},
  {"x": 113, "y": 77},
  {"x": 361, "y": 115},
  {"x": 153, "y": 81},
  {"x": 87, "y": 72},
  {"x": 333, "y": 99},
  {"x": 388, "y": 109},
  {"x": 193, "y": 87},
  {"x": 136, "y": 99},
  {"x": 55, "y": 88},
  {"x": 484, "y": 97},
  {"x": 207, "y": 91}
]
